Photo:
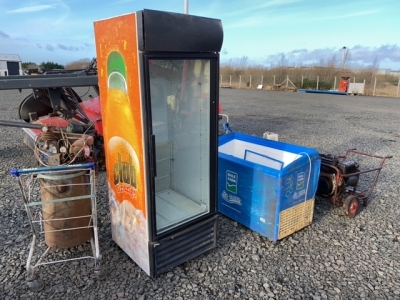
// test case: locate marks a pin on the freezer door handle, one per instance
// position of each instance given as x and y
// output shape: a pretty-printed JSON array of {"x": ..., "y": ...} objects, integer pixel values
[{"x": 153, "y": 146}]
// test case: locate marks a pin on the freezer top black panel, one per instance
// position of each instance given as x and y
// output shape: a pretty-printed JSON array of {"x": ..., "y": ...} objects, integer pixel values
[{"x": 161, "y": 31}]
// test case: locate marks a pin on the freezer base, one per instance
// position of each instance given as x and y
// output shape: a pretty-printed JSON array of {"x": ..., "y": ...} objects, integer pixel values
[
  {"x": 173, "y": 209},
  {"x": 183, "y": 246}
]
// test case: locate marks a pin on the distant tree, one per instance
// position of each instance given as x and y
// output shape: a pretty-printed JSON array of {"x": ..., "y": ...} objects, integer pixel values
[
  {"x": 332, "y": 61},
  {"x": 51, "y": 65},
  {"x": 243, "y": 62},
  {"x": 281, "y": 67},
  {"x": 78, "y": 64},
  {"x": 369, "y": 72},
  {"x": 375, "y": 66},
  {"x": 283, "y": 61},
  {"x": 29, "y": 65}
]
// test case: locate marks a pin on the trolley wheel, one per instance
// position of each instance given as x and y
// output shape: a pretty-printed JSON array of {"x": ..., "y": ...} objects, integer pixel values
[
  {"x": 36, "y": 285},
  {"x": 351, "y": 206},
  {"x": 100, "y": 273}
]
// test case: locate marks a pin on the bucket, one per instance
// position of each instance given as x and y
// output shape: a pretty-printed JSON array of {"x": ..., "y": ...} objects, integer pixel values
[{"x": 61, "y": 218}]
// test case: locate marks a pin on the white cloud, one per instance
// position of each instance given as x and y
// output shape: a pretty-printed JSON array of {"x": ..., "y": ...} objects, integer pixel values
[
  {"x": 124, "y": 1},
  {"x": 342, "y": 16},
  {"x": 250, "y": 22},
  {"x": 62, "y": 12},
  {"x": 29, "y": 9},
  {"x": 65, "y": 10},
  {"x": 385, "y": 56},
  {"x": 257, "y": 8},
  {"x": 358, "y": 54}
]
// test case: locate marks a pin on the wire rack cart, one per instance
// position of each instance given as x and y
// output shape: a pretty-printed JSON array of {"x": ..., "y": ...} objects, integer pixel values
[{"x": 60, "y": 203}]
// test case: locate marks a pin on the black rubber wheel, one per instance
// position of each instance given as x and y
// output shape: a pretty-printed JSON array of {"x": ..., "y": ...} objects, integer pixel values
[
  {"x": 31, "y": 104},
  {"x": 351, "y": 206}
]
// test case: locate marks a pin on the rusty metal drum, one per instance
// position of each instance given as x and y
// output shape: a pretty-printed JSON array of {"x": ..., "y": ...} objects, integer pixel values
[{"x": 66, "y": 219}]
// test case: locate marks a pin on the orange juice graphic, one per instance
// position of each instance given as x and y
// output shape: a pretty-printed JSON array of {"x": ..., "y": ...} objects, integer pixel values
[
  {"x": 119, "y": 82},
  {"x": 122, "y": 140},
  {"x": 123, "y": 143}
]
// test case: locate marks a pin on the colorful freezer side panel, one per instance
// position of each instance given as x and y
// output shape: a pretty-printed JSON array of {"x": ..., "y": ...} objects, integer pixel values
[
  {"x": 300, "y": 179},
  {"x": 119, "y": 82},
  {"x": 247, "y": 194},
  {"x": 272, "y": 195}
]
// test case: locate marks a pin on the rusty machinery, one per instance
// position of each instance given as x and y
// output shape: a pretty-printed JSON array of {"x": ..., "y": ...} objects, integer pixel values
[
  {"x": 59, "y": 125},
  {"x": 340, "y": 178}
]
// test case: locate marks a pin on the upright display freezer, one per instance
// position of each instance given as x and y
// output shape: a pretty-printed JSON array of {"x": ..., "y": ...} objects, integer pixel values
[{"x": 158, "y": 79}]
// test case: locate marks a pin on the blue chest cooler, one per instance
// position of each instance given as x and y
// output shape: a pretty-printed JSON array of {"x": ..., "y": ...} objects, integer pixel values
[{"x": 268, "y": 186}]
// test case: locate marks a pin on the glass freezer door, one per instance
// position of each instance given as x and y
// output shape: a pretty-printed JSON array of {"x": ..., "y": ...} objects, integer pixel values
[{"x": 180, "y": 109}]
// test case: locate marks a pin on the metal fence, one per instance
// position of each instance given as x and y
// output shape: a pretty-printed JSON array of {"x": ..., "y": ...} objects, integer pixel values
[{"x": 373, "y": 87}]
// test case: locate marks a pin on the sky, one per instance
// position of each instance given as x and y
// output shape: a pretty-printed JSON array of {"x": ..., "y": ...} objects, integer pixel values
[{"x": 256, "y": 32}]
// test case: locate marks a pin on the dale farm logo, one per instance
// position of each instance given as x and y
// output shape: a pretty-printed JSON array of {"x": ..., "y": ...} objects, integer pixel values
[
  {"x": 125, "y": 176},
  {"x": 231, "y": 181},
  {"x": 300, "y": 186},
  {"x": 300, "y": 181}
]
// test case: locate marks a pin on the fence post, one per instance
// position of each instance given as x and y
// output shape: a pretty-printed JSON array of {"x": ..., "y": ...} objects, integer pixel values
[
  {"x": 230, "y": 80},
  {"x": 398, "y": 87},
  {"x": 317, "y": 82},
  {"x": 287, "y": 81},
  {"x": 334, "y": 85},
  {"x": 373, "y": 92},
  {"x": 262, "y": 79},
  {"x": 364, "y": 88},
  {"x": 240, "y": 81},
  {"x": 274, "y": 80},
  {"x": 354, "y": 79},
  {"x": 302, "y": 77},
  {"x": 250, "y": 81},
  {"x": 220, "y": 80}
]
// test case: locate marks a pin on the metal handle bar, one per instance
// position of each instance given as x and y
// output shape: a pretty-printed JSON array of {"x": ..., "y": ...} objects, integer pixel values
[
  {"x": 18, "y": 172},
  {"x": 355, "y": 151}
]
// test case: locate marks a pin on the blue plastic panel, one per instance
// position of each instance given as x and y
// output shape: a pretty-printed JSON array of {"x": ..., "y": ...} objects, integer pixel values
[{"x": 254, "y": 194}]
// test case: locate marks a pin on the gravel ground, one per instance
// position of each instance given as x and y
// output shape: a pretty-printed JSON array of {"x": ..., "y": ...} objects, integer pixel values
[{"x": 333, "y": 258}]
